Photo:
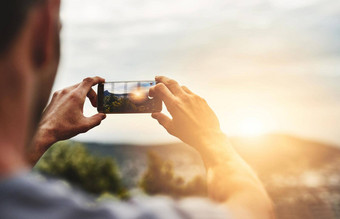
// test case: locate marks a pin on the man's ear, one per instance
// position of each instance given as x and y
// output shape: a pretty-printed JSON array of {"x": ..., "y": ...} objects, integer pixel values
[{"x": 46, "y": 31}]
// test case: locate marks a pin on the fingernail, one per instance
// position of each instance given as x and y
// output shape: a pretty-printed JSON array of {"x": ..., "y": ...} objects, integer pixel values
[{"x": 104, "y": 116}]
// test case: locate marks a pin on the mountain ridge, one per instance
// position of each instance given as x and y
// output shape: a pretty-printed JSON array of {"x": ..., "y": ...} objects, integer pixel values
[{"x": 268, "y": 155}]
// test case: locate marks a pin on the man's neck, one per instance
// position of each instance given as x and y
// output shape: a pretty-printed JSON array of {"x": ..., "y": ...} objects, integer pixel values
[
  {"x": 12, "y": 163},
  {"x": 14, "y": 117},
  {"x": 17, "y": 83}
]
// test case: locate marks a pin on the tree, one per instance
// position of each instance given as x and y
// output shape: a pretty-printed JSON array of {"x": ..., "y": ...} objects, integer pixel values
[
  {"x": 160, "y": 178},
  {"x": 73, "y": 163}
]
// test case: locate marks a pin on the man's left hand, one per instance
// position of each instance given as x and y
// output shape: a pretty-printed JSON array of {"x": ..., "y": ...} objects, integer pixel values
[{"x": 63, "y": 118}]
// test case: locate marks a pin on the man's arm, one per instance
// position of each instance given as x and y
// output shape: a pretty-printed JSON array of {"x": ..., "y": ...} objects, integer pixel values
[
  {"x": 63, "y": 118},
  {"x": 229, "y": 178}
]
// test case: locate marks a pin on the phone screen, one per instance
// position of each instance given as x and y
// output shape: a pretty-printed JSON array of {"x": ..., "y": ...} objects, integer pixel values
[{"x": 127, "y": 97}]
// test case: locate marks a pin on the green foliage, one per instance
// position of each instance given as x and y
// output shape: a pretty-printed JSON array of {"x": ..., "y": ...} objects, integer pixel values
[
  {"x": 73, "y": 163},
  {"x": 118, "y": 104},
  {"x": 159, "y": 178}
]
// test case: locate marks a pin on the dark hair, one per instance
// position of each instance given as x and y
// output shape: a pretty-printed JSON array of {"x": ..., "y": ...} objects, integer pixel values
[{"x": 12, "y": 16}]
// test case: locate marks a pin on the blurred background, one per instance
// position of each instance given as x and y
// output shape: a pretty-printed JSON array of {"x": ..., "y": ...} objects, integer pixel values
[{"x": 270, "y": 69}]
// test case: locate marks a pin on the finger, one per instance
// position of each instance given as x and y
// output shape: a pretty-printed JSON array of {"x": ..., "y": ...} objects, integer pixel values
[
  {"x": 164, "y": 120},
  {"x": 92, "y": 97},
  {"x": 85, "y": 86},
  {"x": 163, "y": 93},
  {"x": 173, "y": 85},
  {"x": 94, "y": 120},
  {"x": 187, "y": 90}
]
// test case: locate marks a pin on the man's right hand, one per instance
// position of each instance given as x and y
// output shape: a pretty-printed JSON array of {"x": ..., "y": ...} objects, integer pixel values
[{"x": 193, "y": 121}]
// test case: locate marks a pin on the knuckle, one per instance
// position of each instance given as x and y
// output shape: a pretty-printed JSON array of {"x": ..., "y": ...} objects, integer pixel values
[
  {"x": 197, "y": 98},
  {"x": 152, "y": 89},
  {"x": 160, "y": 87},
  {"x": 160, "y": 78},
  {"x": 55, "y": 94},
  {"x": 172, "y": 82},
  {"x": 88, "y": 80},
  {"x": 74, "y": 96},
  {"x": 185, "y": 97},
  {"x": 63, "y": 92},
  {"x": 178, "y": 101},
  {"x": 202, "y": 99},
  {"x": 96, "y": 78}
]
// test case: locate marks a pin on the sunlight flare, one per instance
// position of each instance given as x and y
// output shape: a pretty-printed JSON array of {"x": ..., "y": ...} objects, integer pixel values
[
  {"x": 251, "y": 126},
  {"x": 138, "y": 95}
]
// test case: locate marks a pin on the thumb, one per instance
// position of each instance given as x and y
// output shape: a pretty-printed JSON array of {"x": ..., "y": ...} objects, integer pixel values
[
  {"x": 164, "y": 120},
  {"x": 95, "y": 120}
]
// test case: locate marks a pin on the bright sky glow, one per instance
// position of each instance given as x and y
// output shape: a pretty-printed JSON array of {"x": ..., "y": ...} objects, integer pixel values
[
  {"x": 279, "y": 58},
  {"x": 251, "y": 127}
]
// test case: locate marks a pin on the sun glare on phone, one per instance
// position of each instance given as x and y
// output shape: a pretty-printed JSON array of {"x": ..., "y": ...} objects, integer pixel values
[{"x": 138, "y": 95}]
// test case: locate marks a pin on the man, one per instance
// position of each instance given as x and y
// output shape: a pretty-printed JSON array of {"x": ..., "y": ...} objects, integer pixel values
[{"x": 29, "y": 56}]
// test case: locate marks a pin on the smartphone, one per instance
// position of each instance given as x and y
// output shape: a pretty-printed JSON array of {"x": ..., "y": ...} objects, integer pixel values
[{"x": 127, "y": 97}]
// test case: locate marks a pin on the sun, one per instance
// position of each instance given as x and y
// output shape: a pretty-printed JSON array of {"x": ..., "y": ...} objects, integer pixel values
[
  {"x": 251, "y": 126},
  {"x": 138, "y": 95}
]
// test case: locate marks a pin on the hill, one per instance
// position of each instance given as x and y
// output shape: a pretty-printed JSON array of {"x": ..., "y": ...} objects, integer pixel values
[
  {"x": 132, "y": 159},
  {"x": 268, "y": 155}
]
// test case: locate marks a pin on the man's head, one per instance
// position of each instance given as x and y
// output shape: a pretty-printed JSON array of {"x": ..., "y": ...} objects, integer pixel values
[
  {"x": 29, "y": 58},
  {"x": 12, "y": 17}
]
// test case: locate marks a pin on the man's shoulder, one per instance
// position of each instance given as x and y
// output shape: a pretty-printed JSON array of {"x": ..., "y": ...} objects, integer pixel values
[
  {"x": 34, "y": 196},
  {"x": 31, "y": 186}
]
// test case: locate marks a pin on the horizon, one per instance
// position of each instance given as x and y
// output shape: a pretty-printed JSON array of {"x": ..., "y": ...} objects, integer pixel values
[{"x": 258, "y": 138}]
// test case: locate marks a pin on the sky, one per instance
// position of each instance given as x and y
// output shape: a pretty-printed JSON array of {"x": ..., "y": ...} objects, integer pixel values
[{"x": 263, "y": 65}]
